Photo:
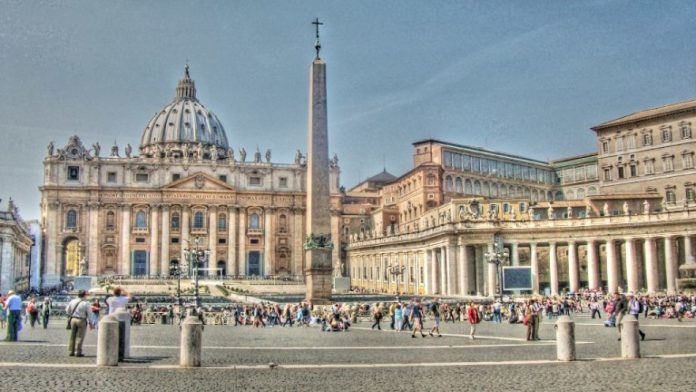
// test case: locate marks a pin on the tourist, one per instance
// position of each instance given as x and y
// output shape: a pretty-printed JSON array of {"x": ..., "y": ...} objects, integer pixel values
[
  {"x": 497, "y": 318},
  {"x": 435, "y": 309},
  {"x": 118, "y": 301},
  {"x": 95, "y": 308},
  {"x": 45, "y": 311},
  {"x": 530, "y": 318},
  {"x": 3, "y": 312},
  {"x": 377, "y": 317},
  {"x": 635, "y": 309},
  {"x": 398, "y": 317},
  {"x": 13, "y": 309},
  {"x": 594, "y": 308},
  {"x": 474, "y": 317},
  {"x": 407, "y": 316},
  {"x": 536, "y": 314},
  {"x": 417, "y": 318},
  {"x": 79, "y": 312},
  {"x": 32, "y": 312},
  {"x": 620, "y": 306},
  {"x": 392, "y": 314}
]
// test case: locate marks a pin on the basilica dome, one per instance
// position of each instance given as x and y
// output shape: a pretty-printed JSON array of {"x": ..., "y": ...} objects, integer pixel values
[{"x": 183, "y": 124}]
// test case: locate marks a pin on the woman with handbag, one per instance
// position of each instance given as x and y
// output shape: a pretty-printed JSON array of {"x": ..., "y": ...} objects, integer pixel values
[{"x": 474, "y": 318}]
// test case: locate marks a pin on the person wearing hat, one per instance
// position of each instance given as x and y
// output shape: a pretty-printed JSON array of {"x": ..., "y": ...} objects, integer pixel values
[
  {"x": 13, "y": 307},
  {"x": 79, "y": 312}
]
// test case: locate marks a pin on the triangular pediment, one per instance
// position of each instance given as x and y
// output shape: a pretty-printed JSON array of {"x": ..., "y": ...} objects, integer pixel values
[{"x": 198, "y": 182}]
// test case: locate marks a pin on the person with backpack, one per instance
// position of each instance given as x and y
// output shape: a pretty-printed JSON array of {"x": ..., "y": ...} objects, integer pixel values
[
  {"x": 635, "y": 308},
  {"x": 33, "y": 312},
  {"x": 417, "y": 318},
  {"x": 377, "y": 317},
  {"x": 435, "y": 309},
  {"x": 45, "y": 311}
]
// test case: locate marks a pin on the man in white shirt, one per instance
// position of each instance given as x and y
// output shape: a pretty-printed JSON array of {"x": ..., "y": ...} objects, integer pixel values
[
  {"x": 13, "y": 307},
  {"x": 118, "y": 301},
  {"x": 79, "y": 311}
]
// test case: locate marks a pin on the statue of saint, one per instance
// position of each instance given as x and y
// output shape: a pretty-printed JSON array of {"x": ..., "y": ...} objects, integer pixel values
[
  {"x": 549, "y": 212},
  {"x": 83, "y": 267},
  {"x": 268, "y": 155},
  {"x": 334, "y": 161},
  {"x": 257, "y": 156},
  {"x": 114, "y": 150},
  {"x": 213, "y": 153},
  {"x": 97, "y": 149},
  {"x": 230, "y": 155},
  {"x": 242, "y": 155},
  {"x": 625, "y": 208},
  {"x": 569, "y": 212},
  {"x": 646, "y": 207},
  {"x": 605, "y": 209},
  {"x": 200, "y": 151},
  {"x": 51, "y": 147},
  {"x": 128, "y": 150},
  {"x": 298, "y": 157}
]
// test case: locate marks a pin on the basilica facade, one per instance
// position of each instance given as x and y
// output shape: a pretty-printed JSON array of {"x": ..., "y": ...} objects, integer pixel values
[{"x": 121, "y": 212}]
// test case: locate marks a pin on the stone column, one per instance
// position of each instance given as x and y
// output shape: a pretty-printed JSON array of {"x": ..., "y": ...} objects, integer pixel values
[
  {"x": 232, "y": 268},
  {"x": 185, "y": 230},
  {"x": 492, "y": 277},
  {"x": 427, "y": 272},
  {"x": 53, "y": 248},
  {"x": 480, "y": 270},
  {"x": 573, "y": 273},
  {"x": 212, "y": 237},
  {"x": 268, "y": 262},
  {"x": 592, "y": 265},
  {"x": 535, "y": 267},
  {"x": 670, "y": 265},
  {"x": 164, "y": 249},
  {"x": 514, "y": 254},
  {"x": 553, "y": 268},
  {"x": 612, "y": 267},
  {"x": 451, "y": 269},
  {"x": 650, "y": 251},
  {"x": 93, "y": 241},
  {"x": 125, "y": 239},
  {"x": 297, "y": 240},
  {"x": 631, "y": 266},
  {"x": 688, "y": 250},
  {"x": 463, "y": 269},
  {"x": 241, "y": 258},
  {"x": 153, "y": 267}
]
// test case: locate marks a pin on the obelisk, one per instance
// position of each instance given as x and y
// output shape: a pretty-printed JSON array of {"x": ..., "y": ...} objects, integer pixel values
[{"x": 318, "y": 245}]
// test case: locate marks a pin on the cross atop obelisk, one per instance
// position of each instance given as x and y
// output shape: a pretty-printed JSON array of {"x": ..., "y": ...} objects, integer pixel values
[
  {"x": 317, "y": 44},
  {"x": 318, "y": 245}
]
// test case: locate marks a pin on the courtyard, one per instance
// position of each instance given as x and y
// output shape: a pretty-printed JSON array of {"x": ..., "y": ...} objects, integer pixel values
[{"x": 303, "y": 358}]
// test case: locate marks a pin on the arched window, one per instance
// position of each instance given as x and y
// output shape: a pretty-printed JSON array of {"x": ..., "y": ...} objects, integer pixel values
[
  {"x": 494, "y": 190},
  {"x": 477, "y": 188},
  {"x": 140, "y": 220},
  {"x": 486, "y": 189},
  {"x": 198, "y": 220},
  {"x": 71, "y": 219},
  {"x": 110, "y": 220},
  {"x": 175, "y": 221},
  {"x": 222, "y": 221},
  {"x": 458, "y": 185},
  {"x": 282, "y": 223},
  {"x": 468, "y": 188},
  {"x": 254, "y": 221},
  {"x": 449, "y": 185}
]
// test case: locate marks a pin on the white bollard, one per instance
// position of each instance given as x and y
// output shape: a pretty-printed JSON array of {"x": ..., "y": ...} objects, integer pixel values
[
  {"x": 565, "y": 339},
  {"x": 630, "y": 345},
  {"x": 124, "y": 317},
  {"x": 191, "y": 342},
  {"x": 107, "y": 342}
]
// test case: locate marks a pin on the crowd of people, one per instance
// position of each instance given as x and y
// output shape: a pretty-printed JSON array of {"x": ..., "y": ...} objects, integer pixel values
[{"x": 418, "y": 316}]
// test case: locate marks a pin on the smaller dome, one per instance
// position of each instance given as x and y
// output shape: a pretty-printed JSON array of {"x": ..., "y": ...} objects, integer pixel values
[{"x": 184, "y": 121}]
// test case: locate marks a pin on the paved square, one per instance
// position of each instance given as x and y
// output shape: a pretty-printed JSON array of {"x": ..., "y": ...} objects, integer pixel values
[{"x": 360, "y": 359}]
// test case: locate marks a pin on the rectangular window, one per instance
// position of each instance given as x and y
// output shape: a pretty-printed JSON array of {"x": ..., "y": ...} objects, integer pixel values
[
  {"x": 666, "y": 135},
  {"x": 689, "y": 161},
  {"x": 222, "y": 178},
  {"x": 448, "y": 159},
  {"x": 222, "y": 241},
  {"x": 175, "y": 240},
  {"x": 255, "y": 181},
  {"x": 176, "y": 176},
  {"x": 634, "y": 172},
  {"x": 475, "y": 164},
  {"x": 631, "y": 141},
  {"x": 283, "y": 182},
  {"x": 140, "y": 240},
  {"x": 142, "y": 177},
  {"x": 607, "y": 174},
  {"x": 73, "y": 173},
  {"x": 650, "y": 166},
  {"x": 466, "y": 162},
  {"x": 668, "y": 164},
  {"x": 605, "y": 146},
  {"x": 111, "y": 177},
  {"x": 619, "y": 144},
  {"x": 647, "y": 139},
  {"x": 621, "y": 172}
]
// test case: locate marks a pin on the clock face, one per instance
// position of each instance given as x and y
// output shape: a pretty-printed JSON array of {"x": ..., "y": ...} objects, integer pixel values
[{"x": 73, "y": 152}]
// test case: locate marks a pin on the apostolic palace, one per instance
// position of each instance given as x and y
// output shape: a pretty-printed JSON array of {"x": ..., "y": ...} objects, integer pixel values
[{"x": 622, "y": 216}]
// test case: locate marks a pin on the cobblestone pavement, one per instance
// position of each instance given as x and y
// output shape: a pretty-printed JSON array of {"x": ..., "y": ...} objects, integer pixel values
[{"x": 361, "y": 359}]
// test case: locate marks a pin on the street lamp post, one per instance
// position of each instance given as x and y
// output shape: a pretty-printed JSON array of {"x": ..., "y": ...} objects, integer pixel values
[
  {"x": 176, "y": 270},
  {"x": 195, "y": 258},
  {"x": 396, "y": 271},
  {"x": 500, "y": 255}
]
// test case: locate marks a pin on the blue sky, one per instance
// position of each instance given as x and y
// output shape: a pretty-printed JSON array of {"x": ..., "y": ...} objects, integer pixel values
[{"x": 525, "y": 77}]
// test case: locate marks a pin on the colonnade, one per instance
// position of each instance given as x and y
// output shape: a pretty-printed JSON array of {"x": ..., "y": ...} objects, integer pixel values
[{"x": 455, "y": 267}]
